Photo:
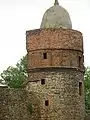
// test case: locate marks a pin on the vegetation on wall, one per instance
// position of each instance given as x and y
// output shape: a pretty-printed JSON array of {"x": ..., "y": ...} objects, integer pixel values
[
  {"x": 14, "y": 77},
  {"x": 30, "y": 108}
]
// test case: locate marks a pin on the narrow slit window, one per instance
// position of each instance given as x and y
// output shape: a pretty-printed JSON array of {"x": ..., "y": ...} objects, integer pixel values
[
  {"x": 80, "y": 88},
  {"x": 42, "y": 81},
  {"x": 44, "y": 55},
  {"x": 46, "y": 103},
  {"x": 80, "y": 61}
]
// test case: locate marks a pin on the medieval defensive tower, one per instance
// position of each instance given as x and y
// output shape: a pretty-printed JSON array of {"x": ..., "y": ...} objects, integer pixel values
[{"x": 55, "y": 67}]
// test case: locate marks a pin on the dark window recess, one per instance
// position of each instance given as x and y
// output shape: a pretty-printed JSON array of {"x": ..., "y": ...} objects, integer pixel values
[
  {"x": 44, "y": 55},
  {"x": 42, "y": 81},
  {"x": 46, "y": 103},
  {"x": 80, "y": 88},
  {"x": 80, "y": 61}
]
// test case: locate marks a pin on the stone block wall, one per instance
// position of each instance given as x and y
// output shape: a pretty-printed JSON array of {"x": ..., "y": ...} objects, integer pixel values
[
  {"x": 18, "y": 104},
  {"x": 61, "y": 89}
]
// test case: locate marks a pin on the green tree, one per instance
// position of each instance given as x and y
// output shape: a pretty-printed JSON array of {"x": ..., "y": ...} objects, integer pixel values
[
  {"x": 87, "y": 88},
  {"x": 15, "y": 76}
]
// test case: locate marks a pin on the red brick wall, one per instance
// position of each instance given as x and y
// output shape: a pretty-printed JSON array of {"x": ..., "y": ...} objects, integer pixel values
[
  {"x": 63, "y": 48},
  {"x": 54, "y": 38}
]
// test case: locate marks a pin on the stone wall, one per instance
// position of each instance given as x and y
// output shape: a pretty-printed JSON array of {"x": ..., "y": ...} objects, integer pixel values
[
  {"x": 61, "y": 89},
  {"x": 18, "y": 104}
]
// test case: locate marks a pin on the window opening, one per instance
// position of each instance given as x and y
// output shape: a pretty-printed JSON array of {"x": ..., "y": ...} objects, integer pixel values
[
  {"x": 46, "y": 103},
  {"x": 44, "y": 55},
  {"x": 80, "y": 88},
  {"x": 80, "y": 61},
  {"x": 42, "y": 81}
]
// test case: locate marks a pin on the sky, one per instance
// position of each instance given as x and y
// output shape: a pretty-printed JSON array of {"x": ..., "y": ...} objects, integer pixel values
[{"x": 18, "y": 16}]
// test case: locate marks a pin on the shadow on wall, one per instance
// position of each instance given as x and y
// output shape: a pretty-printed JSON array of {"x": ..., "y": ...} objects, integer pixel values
[{"x": 18, "y": 104}]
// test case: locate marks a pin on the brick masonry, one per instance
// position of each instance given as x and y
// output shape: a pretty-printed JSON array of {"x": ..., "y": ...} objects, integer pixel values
[
  {"x": 63, "y": 47},
  {"x": 62, "y": 71},
  {"x": 54, "y": 38}
]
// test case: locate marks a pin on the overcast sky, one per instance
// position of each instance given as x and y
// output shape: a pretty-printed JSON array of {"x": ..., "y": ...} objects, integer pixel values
[{"x": 17, "y": 16}]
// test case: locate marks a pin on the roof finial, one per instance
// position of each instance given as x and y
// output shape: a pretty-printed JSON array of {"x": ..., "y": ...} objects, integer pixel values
[{"x": 56, "y": 2}]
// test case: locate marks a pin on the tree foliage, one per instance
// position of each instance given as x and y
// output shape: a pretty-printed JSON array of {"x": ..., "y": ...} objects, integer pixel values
[
  {"x": 87, "y": 88},
  {"x": 15, "y": 76}
]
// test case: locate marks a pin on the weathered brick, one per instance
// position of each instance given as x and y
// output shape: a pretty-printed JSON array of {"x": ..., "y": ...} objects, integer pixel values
[{"x": 62, "y": 70}]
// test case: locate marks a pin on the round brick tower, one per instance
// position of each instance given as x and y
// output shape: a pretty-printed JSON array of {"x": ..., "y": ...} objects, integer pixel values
[{"x": 55, "y": 67}]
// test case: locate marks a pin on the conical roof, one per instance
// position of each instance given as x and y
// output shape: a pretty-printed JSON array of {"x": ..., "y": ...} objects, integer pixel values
[{"x": 56, "y": 17}]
